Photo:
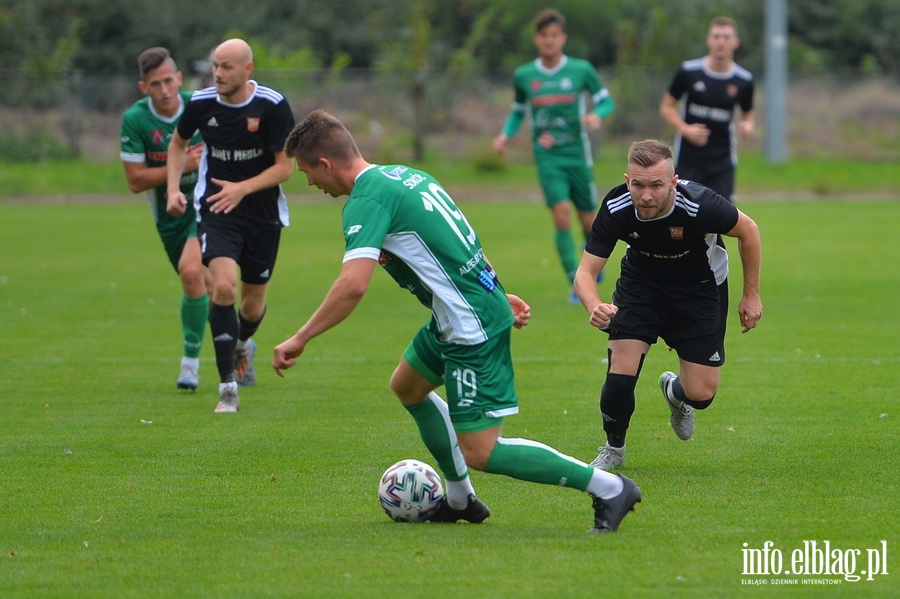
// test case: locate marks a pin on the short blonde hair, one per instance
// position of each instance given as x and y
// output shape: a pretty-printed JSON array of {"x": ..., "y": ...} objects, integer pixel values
[{"x": 649, "y": 152}]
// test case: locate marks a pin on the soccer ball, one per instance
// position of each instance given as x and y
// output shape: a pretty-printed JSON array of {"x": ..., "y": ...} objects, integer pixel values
[{"x": 410, "y": 491}]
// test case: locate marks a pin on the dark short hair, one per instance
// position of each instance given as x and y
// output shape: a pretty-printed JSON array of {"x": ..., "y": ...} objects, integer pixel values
[
  {"x": 649, "y": 152},
  {"x": 549, "y": 16},
  {"x": 151, "y": 58}
]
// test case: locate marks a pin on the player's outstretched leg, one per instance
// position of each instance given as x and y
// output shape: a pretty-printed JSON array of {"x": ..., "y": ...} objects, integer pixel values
[
  {"x": 614, "y": 495},
  {"x": 609, "y": 513}
]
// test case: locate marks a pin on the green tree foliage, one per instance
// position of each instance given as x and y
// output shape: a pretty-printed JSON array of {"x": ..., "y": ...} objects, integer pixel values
[
  {"x": 846, "y": 35},
  {"x": 104, "y": 37},
  {"x": 41, "y": 57}
]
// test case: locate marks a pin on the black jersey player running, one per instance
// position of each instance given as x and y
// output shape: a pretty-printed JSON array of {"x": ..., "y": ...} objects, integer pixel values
[
  {"x": 673, "y": 285},
  {"x": 239, "y": 199},
  {"x": 712, "y": 86}
]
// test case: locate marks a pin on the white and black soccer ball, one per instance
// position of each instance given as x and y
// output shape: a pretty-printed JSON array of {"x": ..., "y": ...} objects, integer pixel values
[{"x": 410, "y": 491}]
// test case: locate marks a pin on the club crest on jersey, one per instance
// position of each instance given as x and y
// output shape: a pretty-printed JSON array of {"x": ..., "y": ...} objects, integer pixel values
[
  {"x": 252, "y": 124},
  {"x": 731, "y": 90},
  {"x": 158, "y": 136},
  {"x": 677, "y": 233},
  {"x": 536, "y": 85}
]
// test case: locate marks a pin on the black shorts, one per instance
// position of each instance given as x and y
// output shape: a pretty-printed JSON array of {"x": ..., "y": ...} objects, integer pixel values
[
  {"x": 253, "y": 246},
  {"x": 719, "y": 176},
  {"x": 690, "y": 320}
]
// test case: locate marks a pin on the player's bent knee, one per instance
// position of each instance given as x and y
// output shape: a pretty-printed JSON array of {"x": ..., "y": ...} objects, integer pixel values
[{"x": 476, "y": 457}]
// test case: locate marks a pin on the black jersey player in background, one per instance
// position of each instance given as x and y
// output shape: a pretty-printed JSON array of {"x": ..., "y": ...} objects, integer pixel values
[
  {"x": 239, "y": 199},
  {"x": 673, "y": 285},
  {"x": 712, "y": 86}
]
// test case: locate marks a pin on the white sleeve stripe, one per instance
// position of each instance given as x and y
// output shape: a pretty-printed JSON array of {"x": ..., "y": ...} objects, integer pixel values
[
  {"x": 690, "y": 207},
  {"x": 619, "y": 203},
  {"x": 373, "y": 253},
  {"x": 600, "y": 96},
  {"x": 269, "y": 93}
]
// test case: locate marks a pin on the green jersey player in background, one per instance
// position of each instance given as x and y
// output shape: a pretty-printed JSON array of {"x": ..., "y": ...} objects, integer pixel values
[
  {"x": 146, "y": 130},
  {"x": 402, "y": 219},
  {"x": 554, "y": 86}
]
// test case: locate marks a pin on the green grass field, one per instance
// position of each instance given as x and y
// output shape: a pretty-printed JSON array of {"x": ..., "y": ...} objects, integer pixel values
[
  {"x": 816, "y": 177},
  {"x": 114, "y": 484}
]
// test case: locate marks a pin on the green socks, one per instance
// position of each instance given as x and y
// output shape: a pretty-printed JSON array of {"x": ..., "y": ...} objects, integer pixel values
[
  {"x": 565, "y": 247},
  {"x": 538, "y": 463},
  {"x": 433, "y": 419},
  {"x": 194, "y": 314}
]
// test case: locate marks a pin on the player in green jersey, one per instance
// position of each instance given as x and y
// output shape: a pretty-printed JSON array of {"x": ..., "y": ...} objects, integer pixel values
[
  {"x": 554, "y": 86},
  {"x": 146, "y": 130},
  {"x": 403, "y": 219}
]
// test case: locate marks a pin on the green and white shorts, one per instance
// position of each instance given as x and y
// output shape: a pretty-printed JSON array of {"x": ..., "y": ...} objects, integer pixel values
[
  {"x": 573, "y": 182},
  {"x": 479, "y": 379}
]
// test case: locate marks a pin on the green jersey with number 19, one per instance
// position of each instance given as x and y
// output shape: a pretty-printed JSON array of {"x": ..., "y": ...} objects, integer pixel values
[{"x": 403, "y": 218}]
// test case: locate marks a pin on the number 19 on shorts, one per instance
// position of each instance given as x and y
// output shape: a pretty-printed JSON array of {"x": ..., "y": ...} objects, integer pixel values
[{"x": 466, "y": 386}]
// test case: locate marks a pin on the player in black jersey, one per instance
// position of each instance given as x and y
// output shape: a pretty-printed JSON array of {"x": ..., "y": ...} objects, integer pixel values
[
  {"x": 673, "y": 285},
  {"x": 712, "y": 86},
  {"x": 239, "y": 199}
]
